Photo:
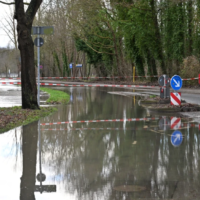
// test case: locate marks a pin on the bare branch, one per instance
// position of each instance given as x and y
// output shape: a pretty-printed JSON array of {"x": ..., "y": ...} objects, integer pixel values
[{"x": 11, "y": 3}]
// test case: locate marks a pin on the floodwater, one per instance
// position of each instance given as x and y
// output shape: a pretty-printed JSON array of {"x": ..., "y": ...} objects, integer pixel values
[{"x": 130, "y": 158}]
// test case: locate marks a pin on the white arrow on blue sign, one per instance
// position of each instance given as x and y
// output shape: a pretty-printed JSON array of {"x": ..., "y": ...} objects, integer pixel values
[
  {"x": 176, "y": 138},
  {"x": 176, "y": 82}
]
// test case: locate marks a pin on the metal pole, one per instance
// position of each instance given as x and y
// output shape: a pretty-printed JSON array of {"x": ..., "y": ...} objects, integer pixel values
[
  {"x": 164, "y": 86},
  {"x": 38, "y": 54}
]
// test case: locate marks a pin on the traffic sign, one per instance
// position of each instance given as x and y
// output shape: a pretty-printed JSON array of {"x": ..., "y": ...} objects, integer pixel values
[
  {"x": 70, "y": 65},
  {"x": 79, "y": 65},
  {"x": 38, "y": 42},
  {"x": 161, "y": 80},
  {"x": 42, "y": 30},
  {"x": 175, "y": 98},
  {"x": 176, "y": 82},
  {"x": 176, "y": 138}
]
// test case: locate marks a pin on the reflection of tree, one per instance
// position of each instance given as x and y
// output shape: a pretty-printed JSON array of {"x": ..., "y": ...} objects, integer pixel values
[
  {"x": 92, "y": 162},
  {"x": 29, "y": 150}
]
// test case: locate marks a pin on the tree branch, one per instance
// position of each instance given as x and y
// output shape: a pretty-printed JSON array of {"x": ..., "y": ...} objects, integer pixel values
[{"x": 11, "y": 3}]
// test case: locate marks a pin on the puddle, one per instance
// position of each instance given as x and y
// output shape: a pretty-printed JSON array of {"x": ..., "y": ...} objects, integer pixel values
[{"x": 113, "y": 157}]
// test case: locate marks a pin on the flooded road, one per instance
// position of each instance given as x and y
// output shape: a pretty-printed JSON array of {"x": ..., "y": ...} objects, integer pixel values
[{"x": 129, "y": 154}]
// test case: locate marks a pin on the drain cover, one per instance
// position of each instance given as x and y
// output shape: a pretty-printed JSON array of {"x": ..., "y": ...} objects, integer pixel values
[{"x": 129, "y": 188}]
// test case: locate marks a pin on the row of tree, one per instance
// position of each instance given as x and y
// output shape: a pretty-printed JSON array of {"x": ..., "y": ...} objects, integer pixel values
[
  {"x": 114, "y": 35},
  {"x": 110, "y": 36}
]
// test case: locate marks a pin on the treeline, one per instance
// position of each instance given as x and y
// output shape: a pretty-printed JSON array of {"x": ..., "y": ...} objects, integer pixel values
[{"x": 113, "y": 36}]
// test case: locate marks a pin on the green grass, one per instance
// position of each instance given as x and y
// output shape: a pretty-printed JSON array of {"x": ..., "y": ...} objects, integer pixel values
[
  {"x": 16, "y": 116},
  {"x": 56, "y": 96}
]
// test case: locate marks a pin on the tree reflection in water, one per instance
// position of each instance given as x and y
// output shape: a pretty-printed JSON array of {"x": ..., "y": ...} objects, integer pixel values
[{"x": 29, "y": 150}]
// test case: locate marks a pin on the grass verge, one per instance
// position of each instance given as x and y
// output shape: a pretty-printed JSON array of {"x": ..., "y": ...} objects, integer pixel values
[
  {"x": 56, "y": 96},
  {"x": 16, "y": 116}
]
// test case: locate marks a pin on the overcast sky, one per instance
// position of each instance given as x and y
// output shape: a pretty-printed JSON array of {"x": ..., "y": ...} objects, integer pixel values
[{"x": 4, "y": 39}]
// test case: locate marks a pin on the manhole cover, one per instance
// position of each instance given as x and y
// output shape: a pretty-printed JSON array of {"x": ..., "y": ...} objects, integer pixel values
[{"x": 129, "y": 188}]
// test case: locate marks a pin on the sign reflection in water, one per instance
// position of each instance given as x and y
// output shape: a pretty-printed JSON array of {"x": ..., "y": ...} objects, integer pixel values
[{"x": 41, "y": 176}]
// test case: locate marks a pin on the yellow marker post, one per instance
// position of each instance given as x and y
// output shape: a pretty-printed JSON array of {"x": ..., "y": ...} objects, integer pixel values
[{"x": 133, "y": 74}]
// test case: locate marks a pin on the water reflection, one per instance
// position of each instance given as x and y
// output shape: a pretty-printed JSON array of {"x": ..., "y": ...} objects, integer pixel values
[
  {"x": 29, "y": 152},
  {"x": 109, "y": 160}
]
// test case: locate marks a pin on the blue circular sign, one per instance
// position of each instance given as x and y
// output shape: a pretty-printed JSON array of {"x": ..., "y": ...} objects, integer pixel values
[
  {"x": 176, "y": 82},
  {"x": 176, "y": 138}
]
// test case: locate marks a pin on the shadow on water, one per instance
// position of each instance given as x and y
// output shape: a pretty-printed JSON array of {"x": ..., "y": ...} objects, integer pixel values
[{"x": 156, "y": 157}]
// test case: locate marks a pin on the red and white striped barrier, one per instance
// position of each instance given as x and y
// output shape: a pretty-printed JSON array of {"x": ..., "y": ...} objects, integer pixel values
[
  {"x": 189, "y": 79},
  {"x": 95, "y": 85},
  {"x": 111, "y": 77},
  {"x": 82, "y": 85},
  {"x": 107, "y": 120},
  {"x": 10, "y": 83},
  {"x": 175, "y": 98}
]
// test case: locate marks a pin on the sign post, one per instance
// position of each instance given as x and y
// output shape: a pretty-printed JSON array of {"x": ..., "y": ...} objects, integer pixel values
[
  {"x": 164, "y": 81},
  {"x": 176, "y": 84},
  {"x": 40, "y": 30}
]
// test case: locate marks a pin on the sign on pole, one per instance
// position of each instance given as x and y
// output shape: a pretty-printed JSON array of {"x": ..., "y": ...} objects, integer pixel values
[
  {"x": 38, "y": 42},
  {"x": 176, "y": 138},
  {"x": 164, "y": 80},
  {"x": 176, "y": 82},
  {"x": 42, "y": 30},
  {"x": 175, "y": 98}
]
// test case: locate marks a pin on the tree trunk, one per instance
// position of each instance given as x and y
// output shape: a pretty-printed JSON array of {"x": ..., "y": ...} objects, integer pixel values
[
  {"x": 28, "y": 79},
  {"x": 26, "y": 47}
]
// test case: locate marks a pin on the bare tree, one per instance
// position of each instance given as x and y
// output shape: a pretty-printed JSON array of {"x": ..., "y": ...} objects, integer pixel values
[{"x": 25, "y": 19}]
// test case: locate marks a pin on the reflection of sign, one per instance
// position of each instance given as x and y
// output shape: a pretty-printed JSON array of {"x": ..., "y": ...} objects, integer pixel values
[
  {"x": 45, "y": 188},
  {"x": 176, "y": 138},
  {"x": 164, "y": 123},
  {"x": 41, "y": 177},
  {"x": 176, "y": 82},
  {"x": 161, "y": 80},
  {"x": 71, "y": 97},
  {"x": 175, "y": 98},
  {"x": 175, "y": 123}
]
